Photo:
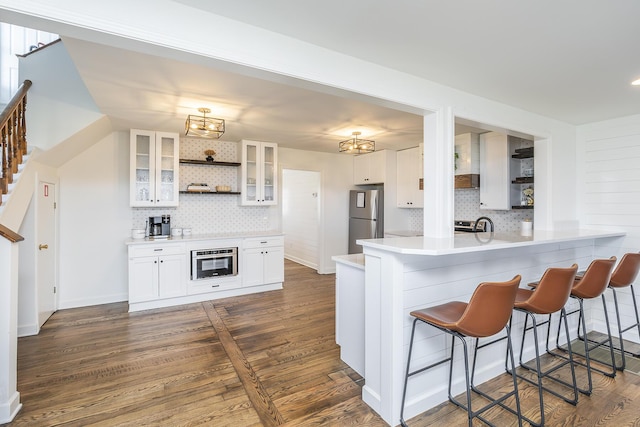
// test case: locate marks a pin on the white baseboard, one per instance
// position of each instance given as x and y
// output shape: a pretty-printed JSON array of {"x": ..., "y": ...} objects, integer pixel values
[
  {"x": 28, "y": 330},
  {"x": 304, "y": 262},
  {"x": 10, "y": 408},
  {"x": 86, "y": 302}
]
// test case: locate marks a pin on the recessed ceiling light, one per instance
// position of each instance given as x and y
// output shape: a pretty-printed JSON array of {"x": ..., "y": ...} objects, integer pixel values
[{"x": 636, "y": 82}]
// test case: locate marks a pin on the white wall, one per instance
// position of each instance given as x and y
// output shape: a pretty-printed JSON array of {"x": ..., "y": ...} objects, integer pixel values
[
  {"x": 336, "y": 180},
  {"x": 301, "y": 202},
  {"x": 27, "y": 286},
  {"x": 608, "y": 189},
  {"x": 95, "y": 220}
]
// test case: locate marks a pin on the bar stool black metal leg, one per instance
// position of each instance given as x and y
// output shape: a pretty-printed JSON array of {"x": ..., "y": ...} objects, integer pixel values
[
  {"x": 615, "y": 303},
  {"x": 406, "y": 376}
]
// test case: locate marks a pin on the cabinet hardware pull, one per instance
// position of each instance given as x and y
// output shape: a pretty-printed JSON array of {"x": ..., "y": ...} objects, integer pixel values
[
  {"x": 215, "y": 286},
  {"x": 41, "y": 247},
  {"x": 158, "y": 250}
]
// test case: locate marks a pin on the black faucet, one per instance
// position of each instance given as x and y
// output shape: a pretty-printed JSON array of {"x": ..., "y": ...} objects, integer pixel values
[{"x": 475, "y": 226}]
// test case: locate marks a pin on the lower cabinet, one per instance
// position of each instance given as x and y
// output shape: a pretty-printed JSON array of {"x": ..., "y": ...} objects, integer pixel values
[
  {"x": 262, "y": 261},
  {"x": 157, "y": 272}
]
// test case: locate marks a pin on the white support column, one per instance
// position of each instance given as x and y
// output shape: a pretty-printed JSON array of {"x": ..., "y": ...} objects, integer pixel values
[
  {"x": 9, "y": 396},
  {"x": 438, "y": 173}
]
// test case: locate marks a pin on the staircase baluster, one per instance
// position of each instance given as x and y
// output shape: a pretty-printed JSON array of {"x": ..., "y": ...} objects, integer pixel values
[{"x": 13, "y": 143}]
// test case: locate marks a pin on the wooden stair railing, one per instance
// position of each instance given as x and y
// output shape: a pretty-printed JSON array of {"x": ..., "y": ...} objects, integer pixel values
[{"x": 13, "y": 136}]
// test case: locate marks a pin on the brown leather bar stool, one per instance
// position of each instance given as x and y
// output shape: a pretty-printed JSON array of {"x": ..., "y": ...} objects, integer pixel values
[
  {"x": 486, "y": 314},
  {"x": 550, "y": 296},
  {"x": 591, "y": 285},
  {"x": 624, "y": 276}
]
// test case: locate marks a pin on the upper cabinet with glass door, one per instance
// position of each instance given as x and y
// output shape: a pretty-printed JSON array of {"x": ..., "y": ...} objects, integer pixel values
[
  {"x": 259, "y": 173},
  {"x": 154, "y": 168}
]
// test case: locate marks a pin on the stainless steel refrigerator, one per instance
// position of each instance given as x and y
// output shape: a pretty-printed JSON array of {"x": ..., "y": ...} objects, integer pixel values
[{"x": 366, "y": 217}]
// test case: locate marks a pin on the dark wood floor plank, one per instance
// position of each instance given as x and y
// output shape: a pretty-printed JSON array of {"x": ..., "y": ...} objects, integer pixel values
[
  {"x": 267, "y": 411},
  {"x": 103, "y": 366}
]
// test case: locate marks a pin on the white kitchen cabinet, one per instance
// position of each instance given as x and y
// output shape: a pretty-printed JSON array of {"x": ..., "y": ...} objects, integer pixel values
[
  {"x": 263, "y": 261},
  {"x": 259, "y": 173},
  {"x": 370, "y": 168},
  {"x": 153, "y": 168},
  {"x": 410, "y": 193},
  {"x": 350, "y": 299},
  {"x": 467, "y": 161},
  {"x": 494, "y": 171},
  {"x": 157, "y": 272}
]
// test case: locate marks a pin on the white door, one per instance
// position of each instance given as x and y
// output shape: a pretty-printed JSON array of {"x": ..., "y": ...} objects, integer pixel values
[{"x": 46, "y": 253}]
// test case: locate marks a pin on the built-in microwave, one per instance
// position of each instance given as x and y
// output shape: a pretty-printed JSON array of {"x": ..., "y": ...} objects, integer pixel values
[{"x": 208, "y": 263}]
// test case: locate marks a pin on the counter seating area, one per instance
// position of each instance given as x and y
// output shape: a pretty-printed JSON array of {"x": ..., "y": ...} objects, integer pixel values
[{"x": 490, "y": 310}]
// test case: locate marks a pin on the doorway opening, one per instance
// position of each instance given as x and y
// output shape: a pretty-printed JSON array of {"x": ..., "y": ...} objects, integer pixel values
[{"x": 301, "y": 216}]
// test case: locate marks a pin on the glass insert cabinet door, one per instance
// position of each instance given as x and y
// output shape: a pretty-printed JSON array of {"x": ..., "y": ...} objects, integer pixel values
[
  {"x": 154, "y": 168},
  {"x": 269, "y": 173},
  {"x": 166, "y": 171},
  {"x": 259, "y": 173},
  {"x": 251, "y": 162},
  {"x": 142, "y": 168}
]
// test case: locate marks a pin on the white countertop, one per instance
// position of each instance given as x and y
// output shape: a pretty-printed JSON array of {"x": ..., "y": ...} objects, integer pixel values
[
  {"x": 353, "y": 260},
  {"x": 403, "y": 233},
  {"x": 476, "y": 242},
  {"x": 196, "y": 237}
]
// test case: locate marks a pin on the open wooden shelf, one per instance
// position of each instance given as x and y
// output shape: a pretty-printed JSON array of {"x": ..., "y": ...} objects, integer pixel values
[
  {"x": 210, "y": 192},
  {"x": 204, "y": 162}
]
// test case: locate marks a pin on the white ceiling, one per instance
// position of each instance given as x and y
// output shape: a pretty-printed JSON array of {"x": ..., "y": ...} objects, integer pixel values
[
  {"x": 571, "y": 60},
  {"x": 143, "y": 91}
]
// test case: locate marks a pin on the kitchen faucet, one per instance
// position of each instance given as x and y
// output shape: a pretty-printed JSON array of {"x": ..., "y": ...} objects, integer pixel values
[{"x": 475, "y": 226}]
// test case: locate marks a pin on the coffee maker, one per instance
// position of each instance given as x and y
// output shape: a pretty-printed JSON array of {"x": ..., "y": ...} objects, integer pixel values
[{"x": 160, "y": 226}]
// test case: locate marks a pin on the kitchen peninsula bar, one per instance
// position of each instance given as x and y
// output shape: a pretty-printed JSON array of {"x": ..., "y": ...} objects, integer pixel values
[{"x": 404, "y": 274}]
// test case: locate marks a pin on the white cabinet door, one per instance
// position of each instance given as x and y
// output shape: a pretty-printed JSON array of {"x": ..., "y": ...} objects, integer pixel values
[
  {"x": 259, "y": 173},
  {"x": 273, "y": 265},
  {"x": 263, "y": 261},
  {"x": 153, "y": 276},
  {"x": 172, "y": 276},
  {"x": 494, "y": 171},
  {"x": 143, "y": 279},
  {"x": 167, "y": 161},
  {"x": 252, "y": 267},
  {"x": 154, "y": 159},
  {"x": 409, "y": 166},
  {"x": 370, "y": 168}
]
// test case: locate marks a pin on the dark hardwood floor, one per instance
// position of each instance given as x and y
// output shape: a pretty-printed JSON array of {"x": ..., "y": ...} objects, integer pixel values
[{"x": 258, "y": 360}]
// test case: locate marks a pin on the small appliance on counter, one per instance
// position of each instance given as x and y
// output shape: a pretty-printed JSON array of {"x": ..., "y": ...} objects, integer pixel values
[
  {"x": 470, "y": 226},
  {"x": 160, "y": 226}
]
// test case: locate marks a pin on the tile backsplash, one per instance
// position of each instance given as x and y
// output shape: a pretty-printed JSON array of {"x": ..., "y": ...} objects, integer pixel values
[
  {"x": 209, "y": 213},
  {"x": 467, "y": 207}
]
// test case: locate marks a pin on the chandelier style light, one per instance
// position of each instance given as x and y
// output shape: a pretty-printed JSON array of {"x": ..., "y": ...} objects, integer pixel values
[
  {"x": 357, "y": 146},
  {"x": 203, "y": 126}
]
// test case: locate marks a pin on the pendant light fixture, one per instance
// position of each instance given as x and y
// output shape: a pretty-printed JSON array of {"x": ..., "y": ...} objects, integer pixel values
[
  {"x": 203, "y": 126},
  {"x": 357, "y": 146}
]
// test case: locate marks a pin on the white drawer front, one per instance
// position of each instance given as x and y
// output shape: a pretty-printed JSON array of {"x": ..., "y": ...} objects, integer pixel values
[
  {"x": 212, "y": 286},
  {"x": 263, "y": 242},
  {"x": 145, "y": 250}
]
